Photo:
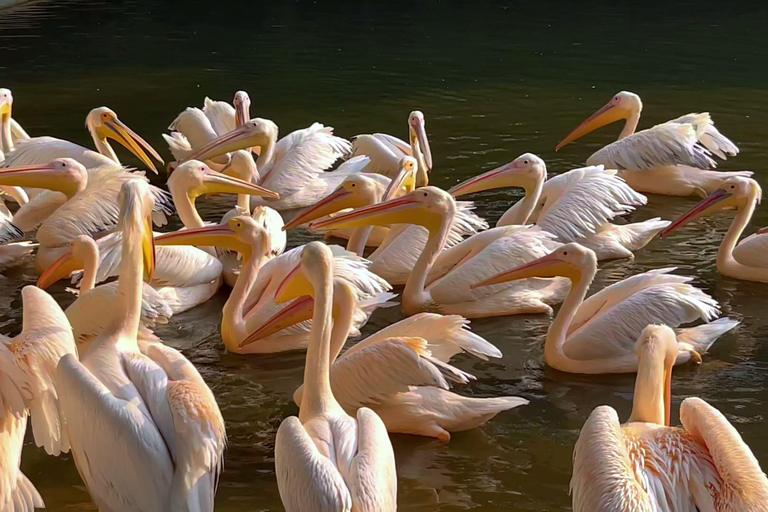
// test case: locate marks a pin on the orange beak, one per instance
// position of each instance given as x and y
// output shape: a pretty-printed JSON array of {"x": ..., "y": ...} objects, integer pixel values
[
  {"x": 297, "y": 311},
  {"x": 606, "y": 115},
  {"x": 699, "y": 210}
]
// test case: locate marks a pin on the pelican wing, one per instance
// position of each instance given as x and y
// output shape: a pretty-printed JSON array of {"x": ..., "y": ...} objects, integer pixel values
[
  {"x": 119, "y": 451},
  {"x": 372, "y": 477},
  {"x": 709, "y": 136},
  {"x": 446, "y": 336},
  {"x": 604, "y": 479},
  {"x": 614, "y": 330},
  {"x": 300, "y": 156},
  {"x": 221, "y": 115},
  {"x": 753, "y": 251},
  {"x": 307, "y": 479},
  {"x": 396, "y": 143},
  {"x": 745, "y": 486},
  {"x": 196, "y": 129},
  {"x": 663, "y": 145},
  {"x": 385, "y": 158},
  {"x": 584, "y": 199},
  {"x": 41, "y": 150}
]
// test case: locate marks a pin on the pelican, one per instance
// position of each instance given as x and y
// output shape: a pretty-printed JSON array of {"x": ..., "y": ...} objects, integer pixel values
[
  {"x": 596, "y": 336},
  {"x": 91, "y": 311},
  {"x": 10, "y": 130},
  {"x": 576, "y": 206},
  {"x": 13, "y": 255},
  {"x": 324, "y": 458},
  {"x": 402, "y": 372},
  {"x": 27, "y": 365},
  {"x": 672, "y": 158},
  {"x": 81, "y": 202},
  {"x": 747, "y": 260},
  {"x": 293, "y": 166},
  {"x": 103, "y": 124},
  {"x": 140, "y": 407},
  {"x": 385, "y": 151},
  {"x": 440, "y": 283},
  {"x": 397, "y": 254},
  {"x": 252, "y": 301},
  {"x": 646, "y": 465}
]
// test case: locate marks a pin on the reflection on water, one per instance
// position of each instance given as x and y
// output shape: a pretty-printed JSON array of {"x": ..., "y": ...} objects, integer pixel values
[{"x": 494, "y": 82}]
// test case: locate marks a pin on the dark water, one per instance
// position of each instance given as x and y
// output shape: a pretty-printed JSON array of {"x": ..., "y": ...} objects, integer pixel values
[{"x": 494, "y": 81}]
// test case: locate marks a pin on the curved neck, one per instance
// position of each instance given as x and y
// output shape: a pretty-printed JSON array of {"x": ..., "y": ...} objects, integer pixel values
[
  {"x": 90, "y": 267},
  {"x": 554, "y": 353},
  {"x": 648, "y": 403},
  {"x": 185, "y": 206},
  {"x": 266, "y": 159},
  {"x": 318, "y": 398},
  {"x": 6, "y": 140},
  {"x": 344, "y": 313},
  {"x": 630, "y": 125},
  {"x": 414, "y": 294},
  {"x": 103, "y": 147},
  {"x": 233, "y": 312},
  {"x": 358, "y": 239},
  {"x": 521, "y": 211},
  {"x": 726, "y": 263},
  {"x": 422, "y": 175},
  {"x": 244, "y": 204}
]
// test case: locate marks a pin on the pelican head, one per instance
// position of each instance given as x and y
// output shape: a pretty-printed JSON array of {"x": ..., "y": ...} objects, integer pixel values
[
  {"x": 242, "y": 234},
  {"x": 736, "y": 193},
  {"x": 355, "y": 191},
  {"x": 256, "y": 132},
  {"x": 657, "y": 351},
  {"x": 6, "y": 104},
  {"x": 418, "y": 133},
  {"x": 426, "y": 206},
  {"x": 197, "y": 179},
  {"x": 103, "y": 124},
  {"x": 242, "y": 104},
  {"x": 242, "y": 165},
  {"x": 526, "y": 171},
  {"x": 83, "y": 252},
  {"x": 136, "y": 204},
  {"x": 316, "y": 261},
  {"x": 570, "y": 260},
  {"x": 62, "y": 175},
  {"x": 622, "y": 106}
]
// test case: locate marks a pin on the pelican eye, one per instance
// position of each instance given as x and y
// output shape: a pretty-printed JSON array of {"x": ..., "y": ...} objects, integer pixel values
[
  {"x": 425, "y": 194},
  {"x": 565, "y": 253},
  {"x": 525, "y": 162},
  {"x": 353, "y": 184}
]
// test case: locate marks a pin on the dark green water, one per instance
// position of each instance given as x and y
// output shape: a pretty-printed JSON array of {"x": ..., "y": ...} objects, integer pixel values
[{"x": 494, "y": 82}]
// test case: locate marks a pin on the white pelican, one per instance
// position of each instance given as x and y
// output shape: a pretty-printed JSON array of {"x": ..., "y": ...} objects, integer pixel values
[
  {"x": 397, "y": 254},
  {"x": 10, "y": 130},
  {"x": 103, "y": 124},
  {"x": 440, "y": 283},
  {"x": 401, "y": 372},
  {"x": 749, "y": 259},
  {"x": 90, "y": 313},
  {"x": 576, "y": 205},
  {"x": 293, "y": 166},
  {"x": 12, "y": 255},
  {"x": 252, "y": 301},
  {"x": 81, "y": 203},
  {"x": 597, "y": 335},
  {"x": 145, "y": 430},
  {"x": 646, "y": 465},
  {"x": 326, "y": 460},
  {"x": 27, "y": 365},
  {"x": 385, "y": 151},
  {"x": 672, "y": 158}
]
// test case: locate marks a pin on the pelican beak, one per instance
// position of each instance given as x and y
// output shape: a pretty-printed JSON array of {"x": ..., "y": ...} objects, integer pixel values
[
  {"x": 293, "y": 286},
  {"x": 59, "y": 269},
  {"x": 242, "y": 112},
  {"x": 547, "y": 266},
  {"x": 148, "y": 250},
  {"x": 119, "y": 132},
  {"x": 402, "y": 210},
  {"x": 339, "y": 200},
  {"x": 5, "y": 109},
  {"x": 405, "y": 180},
  {"x": 220, "y": 235},
  {"x": 486, "y": 181},
  {"x": 297, "y": 311},
  {"x": 242, "y": 137},
  {"x": 419, "y": 131},
  {"x": 610, "y": 113},
  {"x": 45, "y": 176},
  {"x": 218, "y": 183},
  {"x": 707, "y": 206}
]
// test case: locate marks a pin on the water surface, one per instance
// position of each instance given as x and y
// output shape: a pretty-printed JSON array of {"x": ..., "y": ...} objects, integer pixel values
[{"x": 494, "y": 81}]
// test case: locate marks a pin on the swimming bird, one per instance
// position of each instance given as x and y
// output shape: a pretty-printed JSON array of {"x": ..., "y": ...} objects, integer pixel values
[
  {"x": 10, "y": 130},
  {"x": 252, "y": 301},
  {"x": 139, "y": 403},
  {"x": 672, "y": 158},
  {"x": 748, "y": 259},
  {"x": 440, "y": 280},
  {"x": 576, "y": 206},
  {"x": 324, "y": 458},
  {"x": 386, "y": 151},
  {"x": 103, "y": 125},
  {"x": 402, "y": 372},
  {"x": 647, "y": 465},
  {"x": 27, "y": 366},
  {"x": 597, "y": 335}
]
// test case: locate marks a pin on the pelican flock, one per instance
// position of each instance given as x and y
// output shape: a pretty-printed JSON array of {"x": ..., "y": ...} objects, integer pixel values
[{"x": 145, "y": 430}]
